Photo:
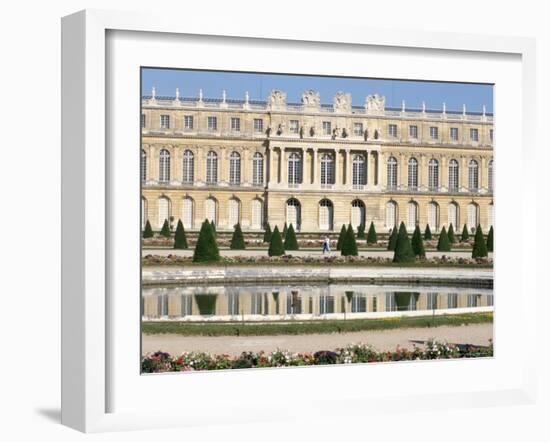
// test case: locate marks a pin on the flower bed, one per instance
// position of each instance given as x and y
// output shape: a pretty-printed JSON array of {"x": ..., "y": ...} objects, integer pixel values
[{"x": 160, "y": 362}]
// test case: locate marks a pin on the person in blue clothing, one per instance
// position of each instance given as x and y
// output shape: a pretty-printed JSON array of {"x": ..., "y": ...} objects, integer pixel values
[{"x": 326, "y": 245}]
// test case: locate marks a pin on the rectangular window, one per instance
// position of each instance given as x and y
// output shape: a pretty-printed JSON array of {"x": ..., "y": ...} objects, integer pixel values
[
  {"x": 358, "y": 129},
  {"x": 474, "y": 135},
  {"x": 258, "y": 125},
  {"x": 142, "y": 120},
  {"x": 413, "y": 131},
  {"x": 212, "y": 123},
  {"x": 454, "y": 133},
  {"x": 491, "y": 135},
  {"x": 188, "y": 122},
  {"x": 235, "y": 124},
  {"x": 165, "y": 121},
  {"x": 327, "y": 129},
  {"x": 294, "y": 126},
  {"x": 392, "y": 130},
  {"x": 434, "y": 132}
]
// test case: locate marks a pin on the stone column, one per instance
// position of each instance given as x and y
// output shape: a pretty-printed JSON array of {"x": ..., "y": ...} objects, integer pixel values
[
  {"x": 314, "y": 167},
  {"x": 222, "y": 166},
  {"x": 382, "y": 170},
  {"x": 463, "y": 172},
  {"x": 403, "y": 171},
  {"x": 306, "y": 167},
  {"x": 483, "y": 173},
  {"x": 337, "y": 172},
  {"x": 177, "y": 165},
  {"x": 422, "y": 172},
  {"x": 269, "y": 166},
  {"x": 444, "y": 173},
  {"x": 246, "y": 170},
  {"x": 284, "y": 169},
  {"x": 348, "y": 169}
]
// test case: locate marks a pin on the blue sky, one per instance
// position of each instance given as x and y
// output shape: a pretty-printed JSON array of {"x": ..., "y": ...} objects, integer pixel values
[{"x": 259, "y": 86}]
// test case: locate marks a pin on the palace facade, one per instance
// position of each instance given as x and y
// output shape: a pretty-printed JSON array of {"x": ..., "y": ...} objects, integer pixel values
[{"x": 314, "y": 165}]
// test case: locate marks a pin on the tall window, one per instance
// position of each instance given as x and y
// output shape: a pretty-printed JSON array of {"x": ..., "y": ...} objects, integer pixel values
[
  {"x": 164, "y": 166},
  {"x": 325, "y": 215},
  {"x": 293, "y": 215},
  {"x": 235, "y": 168},
  {"x": 188, "y": 167},
  {"x": 187, "y": 213},
  {"x": 211, "y": 209},
  {"x": 474, "y": 135},
  {"x": 391, "y": 214},
  {"x": 473, "y": 176},
  {"x": 433, "y": 174},
  {"x": 434, "y": 132},
  {"x": 413, "y": 132},
  {"x": 143, "y": 166},
  {"x": 412, "y": 215},
  {"x": 163, "y": 210},
  {"x": 359, "y": 178},
  {"x": 358, "y": 303},
  {"x": 294, "y": 170},
  {"x": 188, "y": 122},
  {"x": 453, "y": 133},
  {"x": 490, "y": 175},
  {"x": 212, "y": 123},
  {"x": 357, "y": 214},
  {"x": 234, "y": 214},
  {"x": 392, "y": 173},
  {"x": 258, "y": 125},
  {"x": 473, "y": 219},
  {"x": 327, "y": 128},
  {"x": 235, "y": 124},
  {"x": 257, "y": 169},
  {"x": 453, "y": 215},
  {"x": 433, "y": 216},
  {"x": 392, "y": 130},
  {"x": 358, "y": 129},
  {"x": 327, "y": 170},
  {"x": 326, "y": 304},
  {"x": 165, "y": 121},
  {"x": 257, "y": 213},
  {"x": 211, "y": 167},
  {"x": 413, "y": 174},
  {"x": 294, "y": 126},
  {"x": 453, "y": 176}
]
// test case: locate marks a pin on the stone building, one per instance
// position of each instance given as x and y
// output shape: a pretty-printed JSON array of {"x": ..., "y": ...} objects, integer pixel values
[{"x": 312, "y": 164}]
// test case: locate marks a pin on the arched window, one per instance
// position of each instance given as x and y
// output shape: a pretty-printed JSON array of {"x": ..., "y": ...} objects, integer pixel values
[
  {"x": 211, "y": 167},
  {"x": 391, "y": 214},
  {"x": 412, "y": 215},
  {"x": 163, "y": 211},
  {"x": 392, "y": 173},
  {"x": 473, "y": 216},
  {"x": 325, "y": 214},
  {"x": 211, "y": 210},
  {"x": 453, "y": 176},
  {"x": 164, "y": 166},
  {"x": 187, "y": 213},
  {"x": 143, "y": 212},
  {"x": 357, "y": 214},
  {"x": 413, "y": 174},
  {"x": 143, "y": 166},
  {"x": 453, "y": 216},
  {"x": 327, "y": 170},
  {"x": 359, "y": 178},
  {"x": 188, "y": 167},
  {"x": 473, "y": 176},
  {"x": 490, "y": 175},
  {"x": 257, "y": 213},
  {"x": 293, "y": 213},
  {"x": 235, "y": 169},
  {"x": 234, "y": 215},
  {"x": 490, "y": 215},
  {"x": 433, "y": 174},
  {"x": 294, "y": 170},
  {"x": 258, "y": 169},
  {"x": 433, "y": 216}
]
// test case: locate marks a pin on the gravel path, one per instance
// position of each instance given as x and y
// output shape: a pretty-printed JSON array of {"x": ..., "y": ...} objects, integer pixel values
[{"x": 477, "y": 334}]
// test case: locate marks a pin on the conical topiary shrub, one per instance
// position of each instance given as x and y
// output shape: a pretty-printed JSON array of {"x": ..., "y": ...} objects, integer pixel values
[
  {"x": 403, "y": 249},
  {"x": 237, "y": 240},
  {"x": 361, "y": 232},
  {"x": 465, "y": 235},
  {"x": 148, "y": 231},
  {"x": 451, "y": 234},
  {"x": 267, "y": 233},
  {"x": 372, "y": 237},
  {"x": 443, "y": 244},
  {"x": 206, "y": 249},
  {"x": 180, "y": 240},
  {"x": 427, "y": 233},
  {"x": 291, "y": 243},
  {"x": 490, "y": 240},
  {"x": 285, "y": 229},
  {"x": 392, "y": 242},
  {"x": 349, "y": 245},
  {"x": 480, "y": 248},
  {"x": 341, "y": 237},
  {"x": 417, "y": 244},
  {"x": 276, "y": 247},
  {"x": 165, "y": 231},
  {"x": 213, "y": 227}
]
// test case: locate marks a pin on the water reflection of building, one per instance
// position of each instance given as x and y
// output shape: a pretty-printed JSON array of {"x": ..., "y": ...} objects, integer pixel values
[{"x": 238, "y": 303}]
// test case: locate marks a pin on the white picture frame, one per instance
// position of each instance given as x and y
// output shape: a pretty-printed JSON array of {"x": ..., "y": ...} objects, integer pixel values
[{"x": 92, "y": 242}]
